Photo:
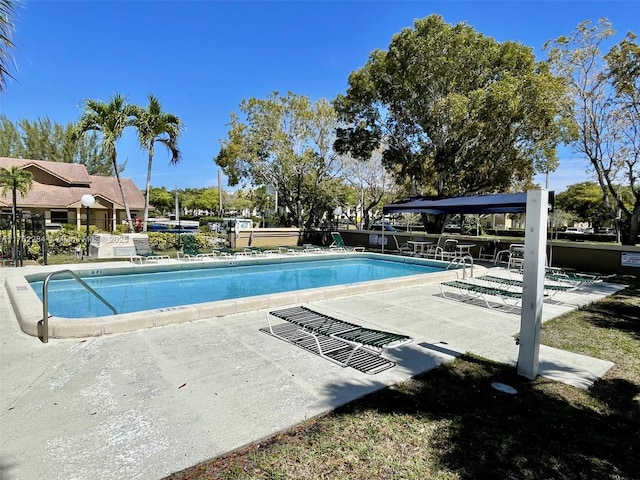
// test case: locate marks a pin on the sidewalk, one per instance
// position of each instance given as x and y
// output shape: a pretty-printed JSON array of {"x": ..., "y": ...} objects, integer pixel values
[{"x": 142, "y": 405}]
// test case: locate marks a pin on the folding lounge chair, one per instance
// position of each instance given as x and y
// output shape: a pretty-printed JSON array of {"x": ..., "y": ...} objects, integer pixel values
[
  {"x": 338, "y": 242},
  {"x": 259, "y": 252},
  {"x": 301, "y": 250},
  {"x": 551, "y": 288},
  {"x": 576, "y": 280},
  {"x": 511, "y": 299},
  {"x": 574, "y": 276},
  {"x": 190, "y": 251},
  {"x": 336, "y": 340},
  {"x": 144, "y": 253}
]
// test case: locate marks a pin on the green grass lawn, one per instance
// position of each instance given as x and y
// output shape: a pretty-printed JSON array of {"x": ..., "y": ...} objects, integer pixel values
[{"x": 450, "y": 423}]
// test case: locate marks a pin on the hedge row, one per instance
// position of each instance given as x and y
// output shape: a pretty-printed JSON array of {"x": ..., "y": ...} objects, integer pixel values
[{"x": 66, "y": 242}]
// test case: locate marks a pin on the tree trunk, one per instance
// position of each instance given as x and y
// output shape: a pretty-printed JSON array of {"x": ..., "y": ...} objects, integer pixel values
[
  {"x": 633, "y": 224},
  {"x": 146, "y": 196},
  {"x": 14, "y": 221},
  {"x": 124, "y": 197}
]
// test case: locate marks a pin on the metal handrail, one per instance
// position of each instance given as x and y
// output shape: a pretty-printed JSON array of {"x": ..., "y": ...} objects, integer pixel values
[
  {"x": 462, "y": 260},
  {"x": 45, "y": 300}
]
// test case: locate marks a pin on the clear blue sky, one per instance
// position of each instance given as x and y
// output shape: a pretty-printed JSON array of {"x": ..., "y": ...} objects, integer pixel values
[{"x": 202, "y": 58}]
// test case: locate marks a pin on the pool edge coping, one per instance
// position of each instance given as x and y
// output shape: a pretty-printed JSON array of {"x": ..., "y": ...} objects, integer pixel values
[{"x": 28, "y": 307}]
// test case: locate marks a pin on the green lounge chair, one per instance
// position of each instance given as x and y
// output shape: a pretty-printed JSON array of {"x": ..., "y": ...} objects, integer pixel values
[
  {"x": 574, "y": 277},
  {"x": 510, "y": 299},
  {"x": 335, "y": 340},
  {"x": 549, "y": 287},
  {"x": 338, "y": 243}
]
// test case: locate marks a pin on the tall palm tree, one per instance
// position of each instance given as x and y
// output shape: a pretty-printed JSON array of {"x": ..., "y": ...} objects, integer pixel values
[
  {"x": 110, "y": 119},
  {"x": 15, "y": 179},
  {"x": 155, "y": 126},
  {"x": 6, "y": 44}
]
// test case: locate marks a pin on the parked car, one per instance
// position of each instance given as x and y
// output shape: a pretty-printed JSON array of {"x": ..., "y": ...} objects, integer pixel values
[
  {"x": 588, "y": 230},
  {"x": 606, "y": 231},
  {"x": 574, "y": 231},
  {"x": 387, "y": 227}
]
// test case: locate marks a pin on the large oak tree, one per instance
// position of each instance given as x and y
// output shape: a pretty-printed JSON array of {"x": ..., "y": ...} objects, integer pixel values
[{"x": 455, "y": 112}]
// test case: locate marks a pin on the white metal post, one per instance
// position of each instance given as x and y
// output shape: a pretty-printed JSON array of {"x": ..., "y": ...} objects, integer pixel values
[{"x": 535, "y": 247}]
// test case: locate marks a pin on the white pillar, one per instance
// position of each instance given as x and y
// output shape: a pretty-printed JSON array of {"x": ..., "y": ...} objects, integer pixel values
[{"x": 535, "y": 247}]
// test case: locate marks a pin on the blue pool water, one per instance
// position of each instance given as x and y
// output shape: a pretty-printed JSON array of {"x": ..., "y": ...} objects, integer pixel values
[{"x": 146, "y": 291}]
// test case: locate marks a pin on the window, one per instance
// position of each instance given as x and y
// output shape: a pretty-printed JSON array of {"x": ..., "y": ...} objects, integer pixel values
[{"x": 59, "y": 216}]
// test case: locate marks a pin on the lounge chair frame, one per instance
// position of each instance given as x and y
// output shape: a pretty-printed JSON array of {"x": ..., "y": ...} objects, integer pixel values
[
  {"x": 350, "y": 337},
  {"x": 510, "y": 299},
  {"x": 338, "y": 242},
  {"x": 550, "y": 289},
  {"x": 144, "y": 254}
]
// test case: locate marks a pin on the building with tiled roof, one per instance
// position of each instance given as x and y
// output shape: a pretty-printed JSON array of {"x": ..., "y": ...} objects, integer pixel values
[{"x": 58, "y": 187}]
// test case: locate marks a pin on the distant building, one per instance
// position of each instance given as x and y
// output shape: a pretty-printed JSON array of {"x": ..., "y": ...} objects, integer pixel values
[{"x": 57, "y": 190}]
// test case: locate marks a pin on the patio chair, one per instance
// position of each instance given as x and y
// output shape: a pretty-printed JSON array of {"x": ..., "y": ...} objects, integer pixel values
[
  {"x": 434, "y": 250},
  {"x": 334, "y": 339},
  {"x": 338, "y": 243},
  {"x": 404, "y": 249},
  {"x": 489, "y": 250},
  {"x": 514, "y": 256},
  {"x": 450, "y": 249}
]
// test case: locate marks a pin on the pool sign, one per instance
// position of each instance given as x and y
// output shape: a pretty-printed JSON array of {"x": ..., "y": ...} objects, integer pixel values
[{"x": 630, "y": 259}]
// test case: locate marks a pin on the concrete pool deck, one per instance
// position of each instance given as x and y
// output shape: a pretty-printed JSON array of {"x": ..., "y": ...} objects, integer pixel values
[{"x": 144, "y": 404}]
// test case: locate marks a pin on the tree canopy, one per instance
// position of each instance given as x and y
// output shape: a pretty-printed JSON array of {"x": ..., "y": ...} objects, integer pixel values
[
  {"x": 15, "y": 180},
  {"x": 585, "y": 201},
  {"x": 7, "y": 29},
  {"x": 109, "y": 119},
  {"x": 455, "y": 111},
  {"x": 285, "y": 143},
  {"x": 156, "y": 126},
  {"x": 42, "y": 139},
  {"x": 605, "y": 109}
]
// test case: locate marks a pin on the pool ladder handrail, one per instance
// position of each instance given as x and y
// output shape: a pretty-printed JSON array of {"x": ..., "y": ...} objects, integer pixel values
[
  {"x": 462, "y": 260},
  {"x": 45, "y": 300}
]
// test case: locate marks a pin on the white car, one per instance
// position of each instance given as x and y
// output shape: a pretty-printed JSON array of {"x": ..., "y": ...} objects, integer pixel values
[{"x": 574, "y": 230}]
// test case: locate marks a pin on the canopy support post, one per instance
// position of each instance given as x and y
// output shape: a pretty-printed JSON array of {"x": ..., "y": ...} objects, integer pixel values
[{"x": 535, "y": 243}]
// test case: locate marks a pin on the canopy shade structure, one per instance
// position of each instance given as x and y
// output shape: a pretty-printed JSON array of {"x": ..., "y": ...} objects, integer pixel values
[
  {"x": 478, "y": 204},
  {"x": 536, "y": 204}
]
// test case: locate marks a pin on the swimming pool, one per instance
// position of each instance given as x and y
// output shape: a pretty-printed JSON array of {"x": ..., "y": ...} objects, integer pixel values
[
  {"x": 197, "y": 301},
  {"x": 148, "y": 291}
]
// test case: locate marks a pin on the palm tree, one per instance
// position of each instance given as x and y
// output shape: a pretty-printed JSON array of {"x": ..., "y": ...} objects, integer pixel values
[
  {"x": 15, "y": 179},
  {"x": 153, "y": 126},
  {"x": 6, "y": 44},
  {"x": 110, "y": 119}
]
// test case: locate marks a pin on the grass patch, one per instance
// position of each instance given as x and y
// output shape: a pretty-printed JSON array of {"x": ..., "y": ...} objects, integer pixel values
[{"x": 450, "y": 423}]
